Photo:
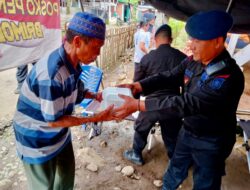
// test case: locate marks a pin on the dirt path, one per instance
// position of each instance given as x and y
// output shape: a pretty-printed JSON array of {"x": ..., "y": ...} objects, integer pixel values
[
  {"x": 118, "y": 137},
  {"x": 7, "y": 98}
]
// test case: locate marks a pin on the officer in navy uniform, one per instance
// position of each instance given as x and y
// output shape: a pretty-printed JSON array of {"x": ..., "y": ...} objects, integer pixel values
[
  {"x": 162, "y": 59},
  {"x": 213, "y": 84}
]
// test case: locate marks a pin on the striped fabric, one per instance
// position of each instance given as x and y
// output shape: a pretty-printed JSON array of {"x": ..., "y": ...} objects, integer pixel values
[{"x": 49, "y": 92}]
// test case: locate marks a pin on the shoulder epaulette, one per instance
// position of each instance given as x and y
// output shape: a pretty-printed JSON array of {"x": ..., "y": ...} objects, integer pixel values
[{"x": 215, "y": 68}]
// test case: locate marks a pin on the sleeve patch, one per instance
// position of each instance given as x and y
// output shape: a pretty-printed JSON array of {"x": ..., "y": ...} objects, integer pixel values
[{"x": 217, "y": 83}]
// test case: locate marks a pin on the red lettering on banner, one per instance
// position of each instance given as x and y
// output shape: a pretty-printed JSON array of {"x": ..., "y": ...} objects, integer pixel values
[
  {"x": 30, "y": 29},
  {"x": 47, "y": 12}
]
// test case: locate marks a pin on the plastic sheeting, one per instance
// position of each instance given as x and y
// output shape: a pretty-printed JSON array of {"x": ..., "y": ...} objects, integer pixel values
[{"x": 182, "y": 9}]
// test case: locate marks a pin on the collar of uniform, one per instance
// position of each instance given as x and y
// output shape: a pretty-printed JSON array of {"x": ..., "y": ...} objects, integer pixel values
[
  {"x": 164, "y": 46},
  {"x": 68, "y": 64},
  {"x": 218, "y": 63},
  {"x": 199, "y": 69},
  {"x": 222, "y": 56}
]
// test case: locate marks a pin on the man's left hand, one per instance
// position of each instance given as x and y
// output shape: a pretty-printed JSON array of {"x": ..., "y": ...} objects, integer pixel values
[
  {"x": 105, "y": 115},
  {"x": 99, "y": 96}
]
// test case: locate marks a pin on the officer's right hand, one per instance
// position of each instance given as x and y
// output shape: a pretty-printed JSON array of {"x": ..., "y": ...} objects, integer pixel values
[
  {"x": 129, "y": 106},
  {"x": 134, "y": 87}
]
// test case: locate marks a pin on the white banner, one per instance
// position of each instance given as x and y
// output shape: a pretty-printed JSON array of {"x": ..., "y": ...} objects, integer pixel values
[{"x": 29, "y": 29}]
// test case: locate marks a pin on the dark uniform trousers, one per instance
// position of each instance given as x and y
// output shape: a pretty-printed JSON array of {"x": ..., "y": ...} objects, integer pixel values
[
  {"x": 162, "y": 59},
  {"x": 21, "y": 74},
  {"x": 209, "y": 161},
  {"x": 143, "y": 125}
]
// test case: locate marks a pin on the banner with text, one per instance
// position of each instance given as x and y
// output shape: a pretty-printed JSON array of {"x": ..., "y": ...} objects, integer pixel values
[{"x": 29, "y": 29}]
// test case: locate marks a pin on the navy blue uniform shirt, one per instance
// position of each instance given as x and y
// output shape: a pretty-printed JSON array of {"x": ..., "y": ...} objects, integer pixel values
[
  {"x": 209, "y": 102},
  {"x": 162, "y": 59}
]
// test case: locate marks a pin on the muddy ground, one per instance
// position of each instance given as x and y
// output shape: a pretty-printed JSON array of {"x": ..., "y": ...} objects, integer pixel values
[{"x": 105, "y": 151}]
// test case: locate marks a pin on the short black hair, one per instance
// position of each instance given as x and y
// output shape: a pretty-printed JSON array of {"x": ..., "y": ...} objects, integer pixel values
[
  {"x": 70, "y": 34},
  {"x": 143, "y": 23},
  {"x": 164, "y": 30}
]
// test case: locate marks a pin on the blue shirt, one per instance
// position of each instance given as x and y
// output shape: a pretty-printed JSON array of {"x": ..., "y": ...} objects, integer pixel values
[{"x": 49, "y": 92}]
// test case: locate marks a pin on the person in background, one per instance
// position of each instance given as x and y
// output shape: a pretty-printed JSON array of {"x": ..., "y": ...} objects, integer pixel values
[
  {"x": 21, "y": 74},
  {"x": 47, "y": 98},
  {"x": 213, "y": 84},
  {"x": 150, "y": 18},
  {"x": 141, "y": 42},
  {"x": 138, "y": 27},
  {"x": 163, "y": 58}
]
